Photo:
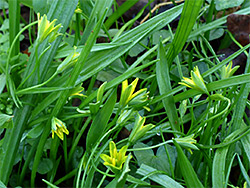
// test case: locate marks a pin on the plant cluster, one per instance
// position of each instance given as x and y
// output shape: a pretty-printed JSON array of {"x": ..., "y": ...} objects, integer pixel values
[{"x": 98, "y": 102}]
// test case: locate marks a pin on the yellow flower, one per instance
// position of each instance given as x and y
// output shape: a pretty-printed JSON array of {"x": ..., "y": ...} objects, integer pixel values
[
  {"x": 196, "y": 81},
  {"x": 128, "y": 95},
  {"x": 139, "y": 129},
  {"x": 116, "y": 159},
  {"x": 58, "y": 127},
  {"x": 77, "y": 91},
  {"x": 187, "y": 142},
  {"x": 69, "y": 61},
  {"x": 46, "y": 28},
  {"x": 228, "y": 71}
]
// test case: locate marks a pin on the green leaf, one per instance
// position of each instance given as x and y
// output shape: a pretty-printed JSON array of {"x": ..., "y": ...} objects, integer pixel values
[
  {"x": 41, "y": 6},
  {"x": 119, "y": 12},
  {"x": 2, "y": 185},
  {"x": 214, "y": 24},
  {"x": 218, "y": 173},
  {"x": 243, "y": 170},
  {"x": 158, "y": 161},
  {"x": 2, "y": 82},
  {"x": 189, "y": 15},
  {"x": 44, "y": 166},
  {"x": 100, "y": 121},
  {"x": 187, "y": 170},
  {"x": 219, "y": 162},
  {"x": 216, "y": 33},
  {"x": 225, "y": 4},
  {"x": 36, "y": 131},
  {"x": 96, "y": 14},
  {"x": 157, "y": 177},
  {"x": 164, "y": 85},
  {"x": 246, "y": 145},
  {"x": 4, "y": 120}
]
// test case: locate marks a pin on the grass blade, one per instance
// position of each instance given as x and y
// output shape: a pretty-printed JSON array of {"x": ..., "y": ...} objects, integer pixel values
[
  {"x": 188, "y": 17},
  {"x": 164, "y": 85},
  {"x": 154, "y": 175},
  {"x": 187, "y": 170}
]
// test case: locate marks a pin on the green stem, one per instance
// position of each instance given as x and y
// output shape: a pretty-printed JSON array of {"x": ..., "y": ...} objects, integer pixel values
[
  {"x": 67, "y": 176},
  {"x": 245, "y": 131},
  {"x": 13, "y": 44},
  {"x": 76, "y": 141},
  {"x": 104, "y": 173},
  {"x": 151, "y": 147},
  {"x": 36, "y": 86},
  {"x": 35, "y": 64},
  {"x": 102, "y": 180}
]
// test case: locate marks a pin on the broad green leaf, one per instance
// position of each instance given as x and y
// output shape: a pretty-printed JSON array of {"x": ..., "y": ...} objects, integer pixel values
[
  {"x": 216, "y": 33},
  {"x": 36, "y": 131},
  {"x": 45, "y": 166},
  {"x": 100, "y": 121},
  {"x": 159, "y": 178},
  {"x": 158, "y": 161},
  {"x": 186, "y": 168}
]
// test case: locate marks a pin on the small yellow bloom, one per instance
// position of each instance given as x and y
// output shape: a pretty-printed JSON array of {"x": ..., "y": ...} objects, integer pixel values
[
  {"x": 196, "y": 81},
  {"x": 69, "y": 61},
  {"x": 128, "y": 95},
  {"x": 77, "y": 91},
  {"x": 116, "y": 159},
  {"x": 187, "y": 142},
  {"x": 227, "y": 70},
  {"x": 46, "y": 28},
  {"x": 58, "y": 127},
  {"x": 139, "y": 129}
]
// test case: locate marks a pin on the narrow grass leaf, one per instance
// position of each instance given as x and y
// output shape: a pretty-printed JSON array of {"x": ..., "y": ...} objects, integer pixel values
[
  {"x": 157, "y": 177},
  {"x": 246, "y": 142},
  {"x": 214, "y": 24},
  {"x": 219, "y": 162},
  {"x": 243, "y": 96},
  {"x": 189, "y": 15},
  {"x": 218, "y": 172},
  {"x": 186, "y": 168},
  {"x": 100, "y": 121},
  {"x": 119, "y": 12},
  {"x": 96, "y": 14},
  {"x": 2, "y": 82},
  {"x": 243, "y": 170},
  {"x": 164, "y": 85}
]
